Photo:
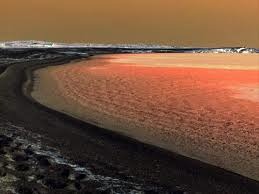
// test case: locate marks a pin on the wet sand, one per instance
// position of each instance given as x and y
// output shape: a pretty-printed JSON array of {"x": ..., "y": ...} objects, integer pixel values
[{"x": 207, "y": 109}]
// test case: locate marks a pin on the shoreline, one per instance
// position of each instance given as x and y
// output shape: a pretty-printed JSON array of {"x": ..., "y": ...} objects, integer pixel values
[{"x": 184, "y": 169}]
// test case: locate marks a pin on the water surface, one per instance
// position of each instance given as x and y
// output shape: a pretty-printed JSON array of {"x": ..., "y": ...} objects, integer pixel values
[{"x": 204, "y": 106}]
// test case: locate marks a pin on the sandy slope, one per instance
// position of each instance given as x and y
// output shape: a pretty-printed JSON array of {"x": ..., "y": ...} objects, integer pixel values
[{"x": 200, "y": 105}]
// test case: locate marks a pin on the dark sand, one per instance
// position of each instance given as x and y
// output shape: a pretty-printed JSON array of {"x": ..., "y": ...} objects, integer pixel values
[{"x": 109, "y": 153}]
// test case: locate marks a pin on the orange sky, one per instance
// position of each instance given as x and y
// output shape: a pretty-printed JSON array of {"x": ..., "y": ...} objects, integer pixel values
[{"x": 182, "y": 23}]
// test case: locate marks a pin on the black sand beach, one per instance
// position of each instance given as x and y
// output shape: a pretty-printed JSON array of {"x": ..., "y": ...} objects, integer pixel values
[{"x": 105, "y": 153}]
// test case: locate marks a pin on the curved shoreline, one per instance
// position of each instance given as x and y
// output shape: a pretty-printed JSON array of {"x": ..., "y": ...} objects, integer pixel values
[{"x": 185, "y": 170}]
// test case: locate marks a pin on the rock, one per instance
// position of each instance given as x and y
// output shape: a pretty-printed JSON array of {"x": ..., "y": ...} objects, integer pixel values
[
  {"x": 151, "y": 192},
  {"x": 28, "y": 151},
  {"x": 178, "y": 192},
  {"x": 80, "y": 176},
  {"x": 24, "y": 190},
  {"x": 57, "y": 183},
  {"x": 17, "y": 145},
  {"x": 78, "y": 186},
  {"x": 20, "y": 158},
  {"x": 60, "y": 170},
  {"x": 91, "y": 187},
  {"x": 106, "y": 191},
  {"x": 2, "y": 164},
  {"x": 65, "y": 172},
  {"x": 2, "y": 173},
  {"x": 2, "y": 152},
  {"x": 43, "y": 160},
  {"x": 12, "y": 149},
  {"x": 39, "y": 176},
  {"x": 5, "y": 141},
  {"x": 22, "y": 167}
]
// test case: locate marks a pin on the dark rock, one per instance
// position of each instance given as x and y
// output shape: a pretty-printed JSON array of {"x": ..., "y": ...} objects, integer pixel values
[
  {"x": 80, "y": 176},
  {"x": 3, "y": 164},
  {"x": 28, "y": 151},
  {"x": 2, "y": 173},
  {"x": 43, "y": 160},
  {"x": 178, "y": 192},
  {"x": 39, "y": 176},
  {"x": 78, "y": 186},
  {"x": 22, "y": 167},
  {"x": 2, "y": 152},
  {"x": 17, "y": 145},
  {"x": 91, "y": 186},
  {"x": 5, "y": 141},
  {"x": 60, "y": 170},
  {"x": 12, "y": 149},
  {"x": 152, "y": 191},
  {"x": 20, "y": 158},
  {"x": 106, "y": 191},
  {"x": 57, "y": 183},
  {"x": 65, "y": 172},
  {"x": 24, "y": 190}
]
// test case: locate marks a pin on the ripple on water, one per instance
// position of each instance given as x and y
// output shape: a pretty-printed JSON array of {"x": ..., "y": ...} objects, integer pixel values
[{"x": 191, "y": 111}]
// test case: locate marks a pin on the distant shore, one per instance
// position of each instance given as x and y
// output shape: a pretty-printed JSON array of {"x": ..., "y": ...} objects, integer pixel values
[{"x": 109, "y": 153}]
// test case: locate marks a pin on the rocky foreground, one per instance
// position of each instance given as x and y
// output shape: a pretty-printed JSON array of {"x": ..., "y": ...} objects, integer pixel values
[{"x": 27, "y": 167}]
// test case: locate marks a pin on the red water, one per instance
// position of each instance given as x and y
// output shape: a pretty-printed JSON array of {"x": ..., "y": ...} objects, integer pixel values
[{"x": 205, "y": 113}]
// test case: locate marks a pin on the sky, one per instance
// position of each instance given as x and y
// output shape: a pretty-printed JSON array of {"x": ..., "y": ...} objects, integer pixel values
[{"x": 204, "y": 23}]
